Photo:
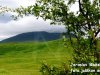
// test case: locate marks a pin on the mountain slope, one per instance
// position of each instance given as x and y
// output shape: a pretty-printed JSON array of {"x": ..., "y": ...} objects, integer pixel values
[{"x": 34, "y": 36}]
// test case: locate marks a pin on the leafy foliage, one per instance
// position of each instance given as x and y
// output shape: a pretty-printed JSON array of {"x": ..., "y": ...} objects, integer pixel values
[{"x": 51, "y": 70}]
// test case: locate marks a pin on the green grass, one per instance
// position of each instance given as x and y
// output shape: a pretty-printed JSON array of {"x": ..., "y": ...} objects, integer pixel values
[{"x": 26, "y": 58}]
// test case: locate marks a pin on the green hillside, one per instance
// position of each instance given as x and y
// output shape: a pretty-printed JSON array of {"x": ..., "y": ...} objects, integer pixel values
[{"x": 25, "y": 58}]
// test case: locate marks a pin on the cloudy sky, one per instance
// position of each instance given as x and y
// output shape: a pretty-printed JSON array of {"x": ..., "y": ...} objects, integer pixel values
[{"x": 9, "y": 27}]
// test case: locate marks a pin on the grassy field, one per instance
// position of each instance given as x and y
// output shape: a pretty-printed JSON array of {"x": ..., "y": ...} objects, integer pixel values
[{"x": 26, "y": 58}]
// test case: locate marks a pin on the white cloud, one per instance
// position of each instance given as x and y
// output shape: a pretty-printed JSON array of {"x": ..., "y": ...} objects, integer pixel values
[
  {"x": 27, "y": 24},
  {"x": 74, "y": 7},
  {"x": 16, "y": 3},
  {"x": 24, "y": 2},
  {"x": 8, "y": 3}
]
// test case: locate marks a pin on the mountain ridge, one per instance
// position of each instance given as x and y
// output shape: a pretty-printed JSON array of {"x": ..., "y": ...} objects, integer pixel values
[{"x": 34, "y": 36}]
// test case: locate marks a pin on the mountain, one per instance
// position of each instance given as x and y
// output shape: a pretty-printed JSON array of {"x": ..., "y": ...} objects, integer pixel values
[{"x": 34, "y": 36}]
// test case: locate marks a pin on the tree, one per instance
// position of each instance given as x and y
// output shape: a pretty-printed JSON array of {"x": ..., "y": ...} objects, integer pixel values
[{"x": 85, "y": 24}]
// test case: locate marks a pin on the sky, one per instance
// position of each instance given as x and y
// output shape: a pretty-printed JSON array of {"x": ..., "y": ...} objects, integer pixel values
[{"x": 10, "y": 27}]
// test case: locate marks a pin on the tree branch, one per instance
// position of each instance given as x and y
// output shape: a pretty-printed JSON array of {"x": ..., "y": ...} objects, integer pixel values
[
  {"x": 80, "y": 8},
  {"x": 97, "y": 33}
]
